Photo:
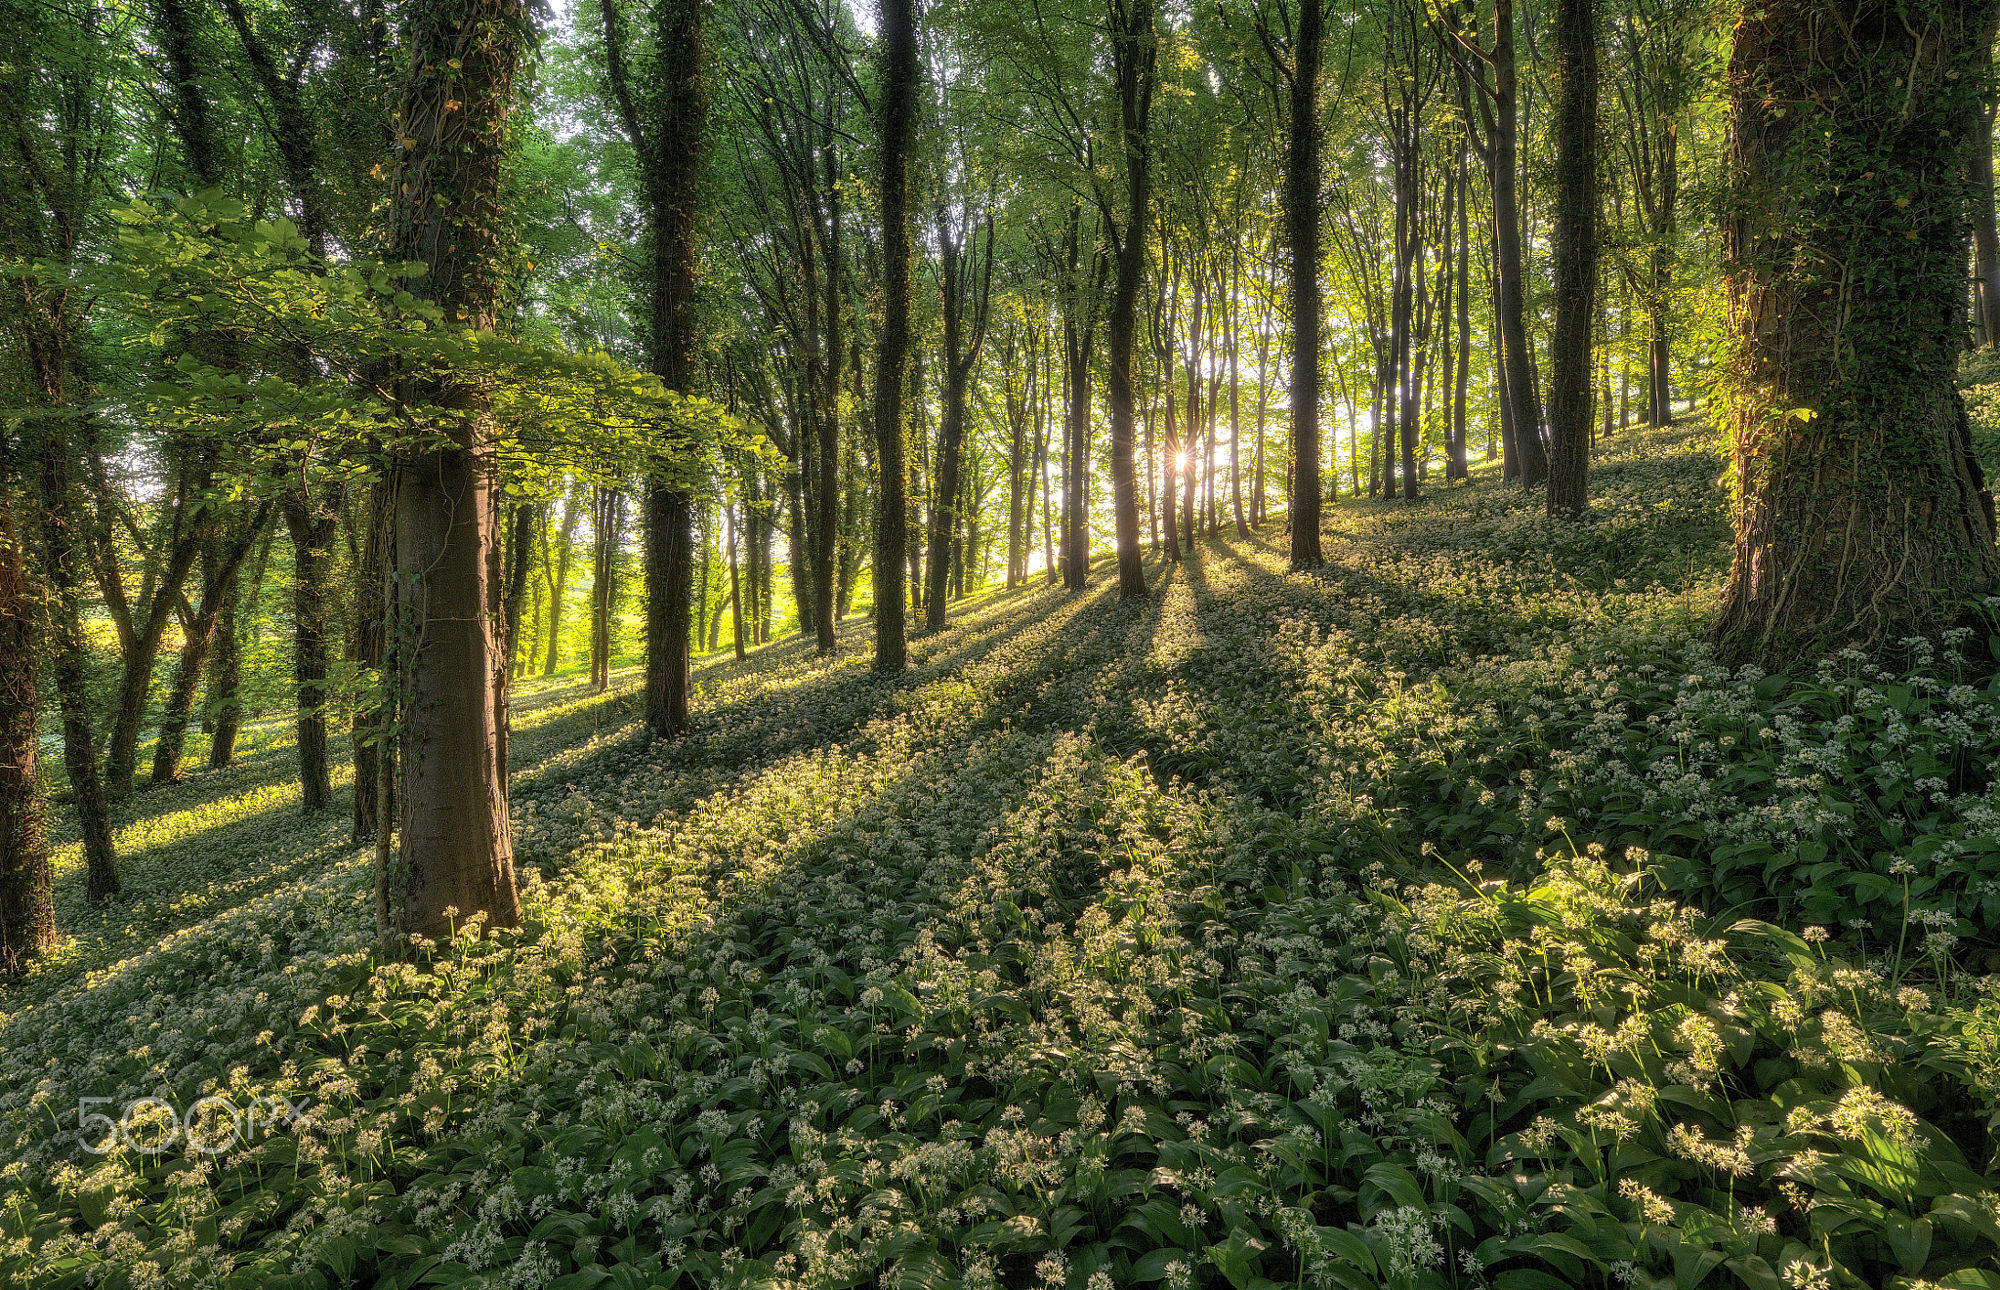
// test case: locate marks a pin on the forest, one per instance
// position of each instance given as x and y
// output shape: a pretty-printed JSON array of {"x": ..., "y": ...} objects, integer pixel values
[{"x": 953, "y": 644}]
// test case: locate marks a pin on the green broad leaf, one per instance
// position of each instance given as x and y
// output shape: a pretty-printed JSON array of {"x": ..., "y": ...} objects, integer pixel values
[
  {"x": 1910, "y": 1240},
  {"x": 1529, "y": 1279},
  {"x": 1970, "y": 1279},
  {"x": 1395, "y": 1183},
  {"x": 583, "y": 1279}
]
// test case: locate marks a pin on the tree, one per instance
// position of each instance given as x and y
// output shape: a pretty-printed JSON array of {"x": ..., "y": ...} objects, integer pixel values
[
  {"x": 897, "y": 117},
  {"x": 453, "y": 126},
  {"x": 1575, "y": 256},
  {"x": 1134, "y": 56},
  {"x": 27, "y": 898},
  {"x": 662, "y": 120},
  {"x": 607, "y": 525},
  {"x": 1495, "y": 104},
  {"x": 1861, "y": 513},
  {"x": 965, "y": 292},
  {"x": 54, "y": 172},
  {"x": 217, "y": 580},
  {"x": 1302, "y": 217}
]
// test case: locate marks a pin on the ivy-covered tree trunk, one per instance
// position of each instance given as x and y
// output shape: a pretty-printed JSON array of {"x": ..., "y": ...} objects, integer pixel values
[
  {"x": 48, "y": 327},
  {"x": 1302, "y": 218},
  {"x": 453, "y": 121},
  {"x": 27, "y": 899},
  {"x": 1861, "y": 513},
  {"x": 1574, "y": 256}
]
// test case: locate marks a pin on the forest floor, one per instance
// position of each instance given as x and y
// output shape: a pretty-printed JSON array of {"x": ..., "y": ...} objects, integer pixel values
[{"x": 1338, "y": 929}]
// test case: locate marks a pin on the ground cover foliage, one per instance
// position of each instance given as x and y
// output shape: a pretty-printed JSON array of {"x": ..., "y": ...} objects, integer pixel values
[{"x": 1452, "y": 918}]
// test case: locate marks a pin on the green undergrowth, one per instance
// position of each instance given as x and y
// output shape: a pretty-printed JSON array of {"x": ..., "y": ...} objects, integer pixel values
[{"x": 1448, "y": 918}]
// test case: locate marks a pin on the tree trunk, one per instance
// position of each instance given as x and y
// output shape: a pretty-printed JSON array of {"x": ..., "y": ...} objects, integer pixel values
[
  {"x": 1173, "y": 449},
  {"x": 1257, "y": 516},
  {"x": 1191, "y": 411},
  {"x": 1458, "y": 467},
  {"x": 1076, "y": 472},
  {"x": 556, "y": 570},
  {"x": 1985, "y": 224},
  {"x": 668, "y": 142},
  {"x": 735, "y": 595},
  {"x": 311, "y": 533},
  {"x": 1862, "y": 515},
  {"x": 372, "y": 618},
  {"x": 607, "y": 519},
  {"x": 27, "y": 894},
  {"x": 1236, "y": 406},
  {"x": 1042, "y": 465},
  {"x": 1526, "y": 419},
  {"x": 944, "y": 498},
  {"x": 121, "y": 757},
  {"x": 1017, "y": 418},
  {"x": 963, "y": 300},
  {"x": 224, "y": 706},
  {"x": 1302, "y": 217},
  {"x": 521, "y": 534},
  {"x": 49, "y": 334},
  {"x": 1574, "y": 256},
  {"x": 1132, "y": 53},
  {"x": 217, "y": 579},
  {"x": 457, "y": 852},
  {"x": 898, "y": 105}
]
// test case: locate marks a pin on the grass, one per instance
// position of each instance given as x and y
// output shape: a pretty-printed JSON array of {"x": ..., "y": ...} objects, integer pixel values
[{"x": 1341, "y": 929}]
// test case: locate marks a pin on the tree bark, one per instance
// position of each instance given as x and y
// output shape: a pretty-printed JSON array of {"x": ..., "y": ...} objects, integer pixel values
[
  {"x": 224, "y": 705},
  {"x": 1524, "y": 419},
  {"x": 521, "y": 533},
  {"x": 1458, "y": 466},
  {"x": 963, "y": 296},
  {"x": 1862, "y": 514},
  {"x": 667, "y": 138},
  {"x": 1076, "y": 472},
  {"x": 1302, "y": 216},
  {"x": 1017, "y": 395},
  {"x": 556, "y": 570},
  {"x": 27, "y": 894},
  {"x": 456, "y": 103},
  {"x": 372, "y": 619},
  {"x": 1574, "y": 257},
  {"x": 898, "y": 101},
  {"x": 217, "y": 581},
  {"x": 311, "y": 534},
  {"x": 1985, "y": 226},
  {"x": 1133, "y": 51},
  {"x": 607, "y": 522}
]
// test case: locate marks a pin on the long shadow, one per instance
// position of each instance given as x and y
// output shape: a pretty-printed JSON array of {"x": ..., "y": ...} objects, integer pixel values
[
  {"x": 244, "y": 838},
  {"x": 732, "y": 749}
]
